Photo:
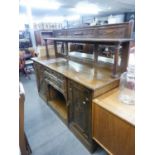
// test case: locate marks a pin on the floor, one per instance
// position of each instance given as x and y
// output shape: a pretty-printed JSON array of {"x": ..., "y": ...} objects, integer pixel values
[{"x": 46, "y": 133}]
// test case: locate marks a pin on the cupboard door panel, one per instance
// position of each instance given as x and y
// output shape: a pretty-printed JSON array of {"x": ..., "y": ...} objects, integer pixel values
[{"x": 80, "y": 108}]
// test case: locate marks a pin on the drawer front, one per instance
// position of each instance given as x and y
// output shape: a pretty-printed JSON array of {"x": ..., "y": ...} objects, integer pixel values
[
  {"x": 60, "y": 33},
  {"x": 111, "y": 32},
  {"x": 57, "y": 80},
  {"x": 55, "y": 74},
  {"x": 82, "y": 32}
]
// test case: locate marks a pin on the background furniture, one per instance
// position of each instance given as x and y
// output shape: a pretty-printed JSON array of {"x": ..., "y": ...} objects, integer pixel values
[
  {"x": 25, "y": 62},
  {"x": 40, "y": 34},
  {"x": 114, "y": 124},
  {"x": 41, "y": 50},
  {"x": 24, "y": 39},
  {"x": 23, "y": 142},
  {"x": 22, "y": 67}
]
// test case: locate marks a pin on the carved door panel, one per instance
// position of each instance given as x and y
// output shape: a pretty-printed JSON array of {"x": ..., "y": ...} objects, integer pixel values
[{"x": 80, "y": 108}]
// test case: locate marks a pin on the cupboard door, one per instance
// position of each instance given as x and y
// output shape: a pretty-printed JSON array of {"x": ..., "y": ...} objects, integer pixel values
[{"x": 80, "y": 108}]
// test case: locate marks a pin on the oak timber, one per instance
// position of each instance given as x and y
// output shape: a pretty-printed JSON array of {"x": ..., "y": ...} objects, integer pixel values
[
  {"x": 110, "y": 101},
  {"x": 96, "y": 79},
  {"x": 113, "y": 124},
  {"x": 80, "y": 82},
  {"x": 91, "y": 40},
  {"x": 60, "y": 107}
]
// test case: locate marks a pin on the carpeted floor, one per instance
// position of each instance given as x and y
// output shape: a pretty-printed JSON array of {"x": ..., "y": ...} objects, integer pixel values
[{"x": 46, "y": 133}]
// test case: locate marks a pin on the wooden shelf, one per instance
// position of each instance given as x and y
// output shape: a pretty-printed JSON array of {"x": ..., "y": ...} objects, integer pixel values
[
  {"x": 90, "y": 40},
  {"x": 60, "y": 107}
]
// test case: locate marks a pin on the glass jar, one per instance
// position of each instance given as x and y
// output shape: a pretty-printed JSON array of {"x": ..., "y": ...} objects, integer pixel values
[{"x": 127, "y": 86}]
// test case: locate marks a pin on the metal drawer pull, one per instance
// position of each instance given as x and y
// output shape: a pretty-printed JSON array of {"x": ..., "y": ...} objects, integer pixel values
[
  {"x": 87, "y": 99},
  {"x": 84, "y": 102},
  {"x": 76, "y": 33}
]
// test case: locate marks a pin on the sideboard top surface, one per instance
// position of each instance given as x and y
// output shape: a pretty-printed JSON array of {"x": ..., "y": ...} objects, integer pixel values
[
  {"x": 87, "y": 75},
  {"x": 110, "y": 101}
]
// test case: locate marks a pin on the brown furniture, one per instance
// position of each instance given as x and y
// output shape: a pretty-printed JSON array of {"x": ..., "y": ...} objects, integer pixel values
[
  {"x": 25, "y": 62},
  {"x": 114, "y": 124},
  {"x": 40, "y": 34},
  {"x": 116, "y": 35},
  {"x": 22, "y": 64},
  {"x": 69, "y": 86},
  {"x": 24, "y": 39},
  {"x": 23, "y": 142}
]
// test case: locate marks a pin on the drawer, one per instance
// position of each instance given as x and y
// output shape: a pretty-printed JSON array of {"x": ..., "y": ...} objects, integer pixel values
[
  {"x": 60, "y": 33},
  {"x": 50, "y": 76},
  {"x": 54, "y": 75},
  {"x": 81, "y": 32},
  {"x": 59, "y": 86},
  {"x": 57, "y": 80},
  {"x": 111, "y": 32}
]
